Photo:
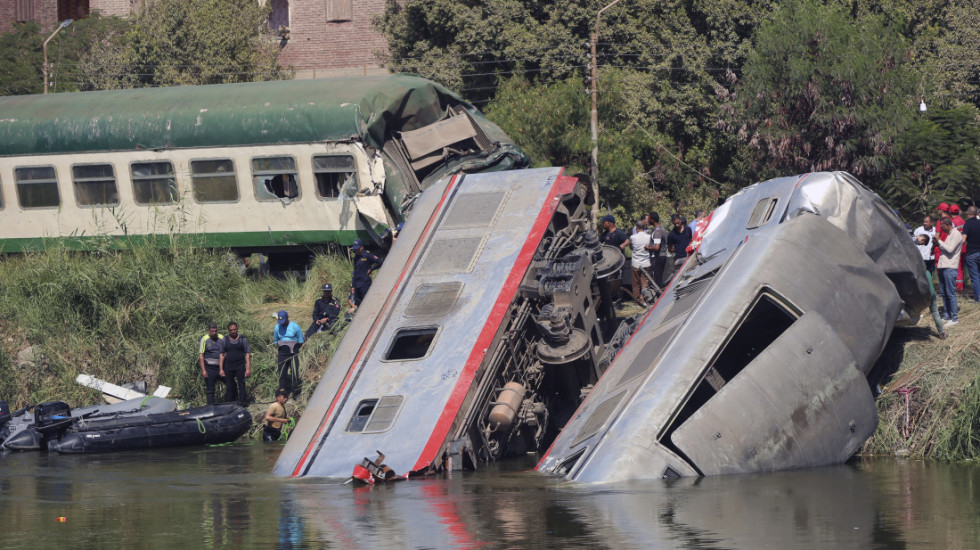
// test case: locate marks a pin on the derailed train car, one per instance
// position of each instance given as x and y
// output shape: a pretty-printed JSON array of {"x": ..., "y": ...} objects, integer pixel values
[
  {"x": 755, "y": 358},
  {"x": 477, "y": 338},
  {"x": 485, "y": 337}
]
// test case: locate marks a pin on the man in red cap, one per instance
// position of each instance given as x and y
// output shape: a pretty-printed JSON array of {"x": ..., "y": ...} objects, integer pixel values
[{"x": 958, "y": 222}]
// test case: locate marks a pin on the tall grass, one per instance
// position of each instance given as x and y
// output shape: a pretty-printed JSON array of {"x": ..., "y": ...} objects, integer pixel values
[{"x": 139, "y": 314}]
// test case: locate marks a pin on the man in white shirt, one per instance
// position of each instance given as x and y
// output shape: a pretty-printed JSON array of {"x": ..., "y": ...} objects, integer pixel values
[
  {"x": 948, "y": 264},
  {"x": 640, "y": 247},
  {"x": 929, "y": 230}
]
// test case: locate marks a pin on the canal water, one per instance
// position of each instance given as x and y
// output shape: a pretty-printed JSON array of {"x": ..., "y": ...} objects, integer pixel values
[{"x": 225, "y": 497}]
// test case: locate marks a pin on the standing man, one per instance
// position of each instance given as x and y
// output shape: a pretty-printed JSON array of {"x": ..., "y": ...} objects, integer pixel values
[
  {"x": 958, "y": 223},
  {"x": 950, "y": 248},
  {"x": 640, "y": 261},
  {"x": 645, "y": 218},
  {"x": 613, "y": 235},
  {"x": 971, "y": 232},
  {"x": 235, "y": 365},
  {"x": 326, "y": 309},
  {"x": 288, "y": 337},
  {"x": 364, "y": 264},
  {"x": 678, "y": 239},
  {"x": 658, "y": 248},
  {"x": 209, "y": 357},
  {"x": 275, "y": 417},
  {"x": 698, "y": 220},
  {"x": 928, "y": 229}
]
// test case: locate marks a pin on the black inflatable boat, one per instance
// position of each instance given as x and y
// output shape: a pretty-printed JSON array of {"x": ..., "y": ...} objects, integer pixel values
[{"x": 198, "y": 426}]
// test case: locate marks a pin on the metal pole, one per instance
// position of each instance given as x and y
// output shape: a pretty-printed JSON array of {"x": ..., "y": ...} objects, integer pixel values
[
  {"x": 594, "y": 172},
  {"x": 44, "y": 69}
]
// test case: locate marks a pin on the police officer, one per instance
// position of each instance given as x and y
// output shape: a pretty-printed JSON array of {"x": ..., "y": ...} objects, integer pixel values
[
  {"x": 325, "y": 311},
  {"x": 360, "y": 279}
]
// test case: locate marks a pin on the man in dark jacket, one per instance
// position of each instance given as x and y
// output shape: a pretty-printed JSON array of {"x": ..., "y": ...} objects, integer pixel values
[
  {"x": 364, "y": 264},
  {"x": 325, "y": 311}
]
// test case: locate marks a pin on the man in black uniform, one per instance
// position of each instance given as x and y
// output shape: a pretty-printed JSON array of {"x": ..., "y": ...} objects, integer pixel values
[
  {"x": 325, "y": 311},
  {"x": 236, "y": 365},
  {"x": 360, "y": 279}
]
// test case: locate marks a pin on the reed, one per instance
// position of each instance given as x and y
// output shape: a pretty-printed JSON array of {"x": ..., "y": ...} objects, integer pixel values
[{"x": 138, "y": 314}]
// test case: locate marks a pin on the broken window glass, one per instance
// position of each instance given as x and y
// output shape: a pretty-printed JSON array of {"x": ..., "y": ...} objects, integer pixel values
[
  {"x": 331, "y": 173},
  {"x": 411, "y": 344},
  {"x": 275, "y": 178}
]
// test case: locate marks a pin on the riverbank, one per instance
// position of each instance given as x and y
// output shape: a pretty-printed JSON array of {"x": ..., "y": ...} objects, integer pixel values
[
  {"x": 139, "y": 315},
  {"x": 929, "y": 402}
]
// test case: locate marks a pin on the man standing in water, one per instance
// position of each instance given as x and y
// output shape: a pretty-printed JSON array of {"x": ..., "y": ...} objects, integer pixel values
[
  {"x": 236, "y": 365},
  {"x": 288, "y": 337},
  {"x": 209, "y": 358},
  {"x": 275, "y": 417}
]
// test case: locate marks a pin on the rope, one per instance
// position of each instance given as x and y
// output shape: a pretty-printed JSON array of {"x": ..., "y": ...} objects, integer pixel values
[
  {"x": 284, "y": 434},
  {"x": 200, "y": 426}
]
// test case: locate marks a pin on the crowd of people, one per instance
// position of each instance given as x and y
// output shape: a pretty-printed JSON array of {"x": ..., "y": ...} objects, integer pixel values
[
  {"x": 228, "y": 358},
  {"x": 655, "y": 252},
  {"x": 948, "y": 242}
]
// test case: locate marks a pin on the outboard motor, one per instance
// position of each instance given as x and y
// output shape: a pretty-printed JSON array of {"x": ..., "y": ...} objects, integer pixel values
[{"x": 51, "y": 419}]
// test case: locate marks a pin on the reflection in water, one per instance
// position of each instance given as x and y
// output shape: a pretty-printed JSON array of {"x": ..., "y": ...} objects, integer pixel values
[{"x": 225, "y": 497}]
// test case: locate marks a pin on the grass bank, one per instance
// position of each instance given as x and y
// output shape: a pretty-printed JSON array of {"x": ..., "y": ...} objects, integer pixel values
[
  {"x": 929, "y": 405},
  {"x": 139, "y": 313}
]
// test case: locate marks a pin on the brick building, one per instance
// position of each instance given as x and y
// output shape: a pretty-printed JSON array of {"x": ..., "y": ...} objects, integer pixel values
[{"x": 318, "y": 37}]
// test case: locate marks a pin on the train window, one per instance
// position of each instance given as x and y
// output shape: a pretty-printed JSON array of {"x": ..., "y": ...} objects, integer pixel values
[
  {"x": 37, "y": 187},
  {"x": 154, "y": 182},
  {"x": 331, "y": 173},
  {"x": 214, "y": 180},
  {"x": 413, "y": 343},
  {"x": 275, "y": 178},
  {"x": 95, "y": 184}
]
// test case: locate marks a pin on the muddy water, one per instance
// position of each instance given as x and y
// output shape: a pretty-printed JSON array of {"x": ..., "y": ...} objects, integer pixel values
[{"x": 224, "y": 497}]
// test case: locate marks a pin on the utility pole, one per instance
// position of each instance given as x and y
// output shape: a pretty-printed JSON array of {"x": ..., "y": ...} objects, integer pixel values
[
  {"x": 594, "y": 171},
  {"x": 44, "y": 69}
]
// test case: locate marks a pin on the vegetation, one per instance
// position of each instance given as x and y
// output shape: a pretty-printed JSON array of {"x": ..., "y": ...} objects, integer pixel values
[
  {"x": 698, "y": 98},
  {"x": 138, "y": 314},
  {"x": 942, "y": 419}
]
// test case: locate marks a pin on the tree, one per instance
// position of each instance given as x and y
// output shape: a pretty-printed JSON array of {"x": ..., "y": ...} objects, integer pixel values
[
  {"x": 179, "y": 42},
  {"x": 822, "y": 90},
  {"x": 939, "y": 161},
  {"x": 21, "y": 60}
]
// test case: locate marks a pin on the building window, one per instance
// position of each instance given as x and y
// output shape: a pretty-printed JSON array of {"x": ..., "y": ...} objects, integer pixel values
[
  {"x": 340, "y": 10},
  {"x": 37, "y": 187},
  {"x": 24, "y": 11},
  {"x": 279, "y": 16},
  {"x": 214, "y": 180},
  {"x": 275, "y": 178},
  {"x": 95, "y": 185},
  {"x": 154, "y": 182},
  {"x": 331, "y": 173},
  {"x": 72, "y": 9}
]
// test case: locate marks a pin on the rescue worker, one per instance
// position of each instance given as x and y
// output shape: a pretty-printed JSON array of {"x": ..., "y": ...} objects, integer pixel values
[
  {"x": 209, "y": 358},
  {"x": 275, "y": 417},
  {"x": 288, "y": 337},
  {"x": 360, "y": 280},
  {"x": 326, "y": 309},
  {"x": 235, "y": 365}
]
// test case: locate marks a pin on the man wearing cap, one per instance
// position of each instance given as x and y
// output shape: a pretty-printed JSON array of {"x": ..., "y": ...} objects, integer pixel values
[
  {"x": 275, "y": 417},
  {"x": 209, "y": 357},
  {"x": 288, "y": 337},
  {"x": 613, "y": 235},
  {"x": 360, "y": 279},
  {"x": 325, "y": 311}
]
